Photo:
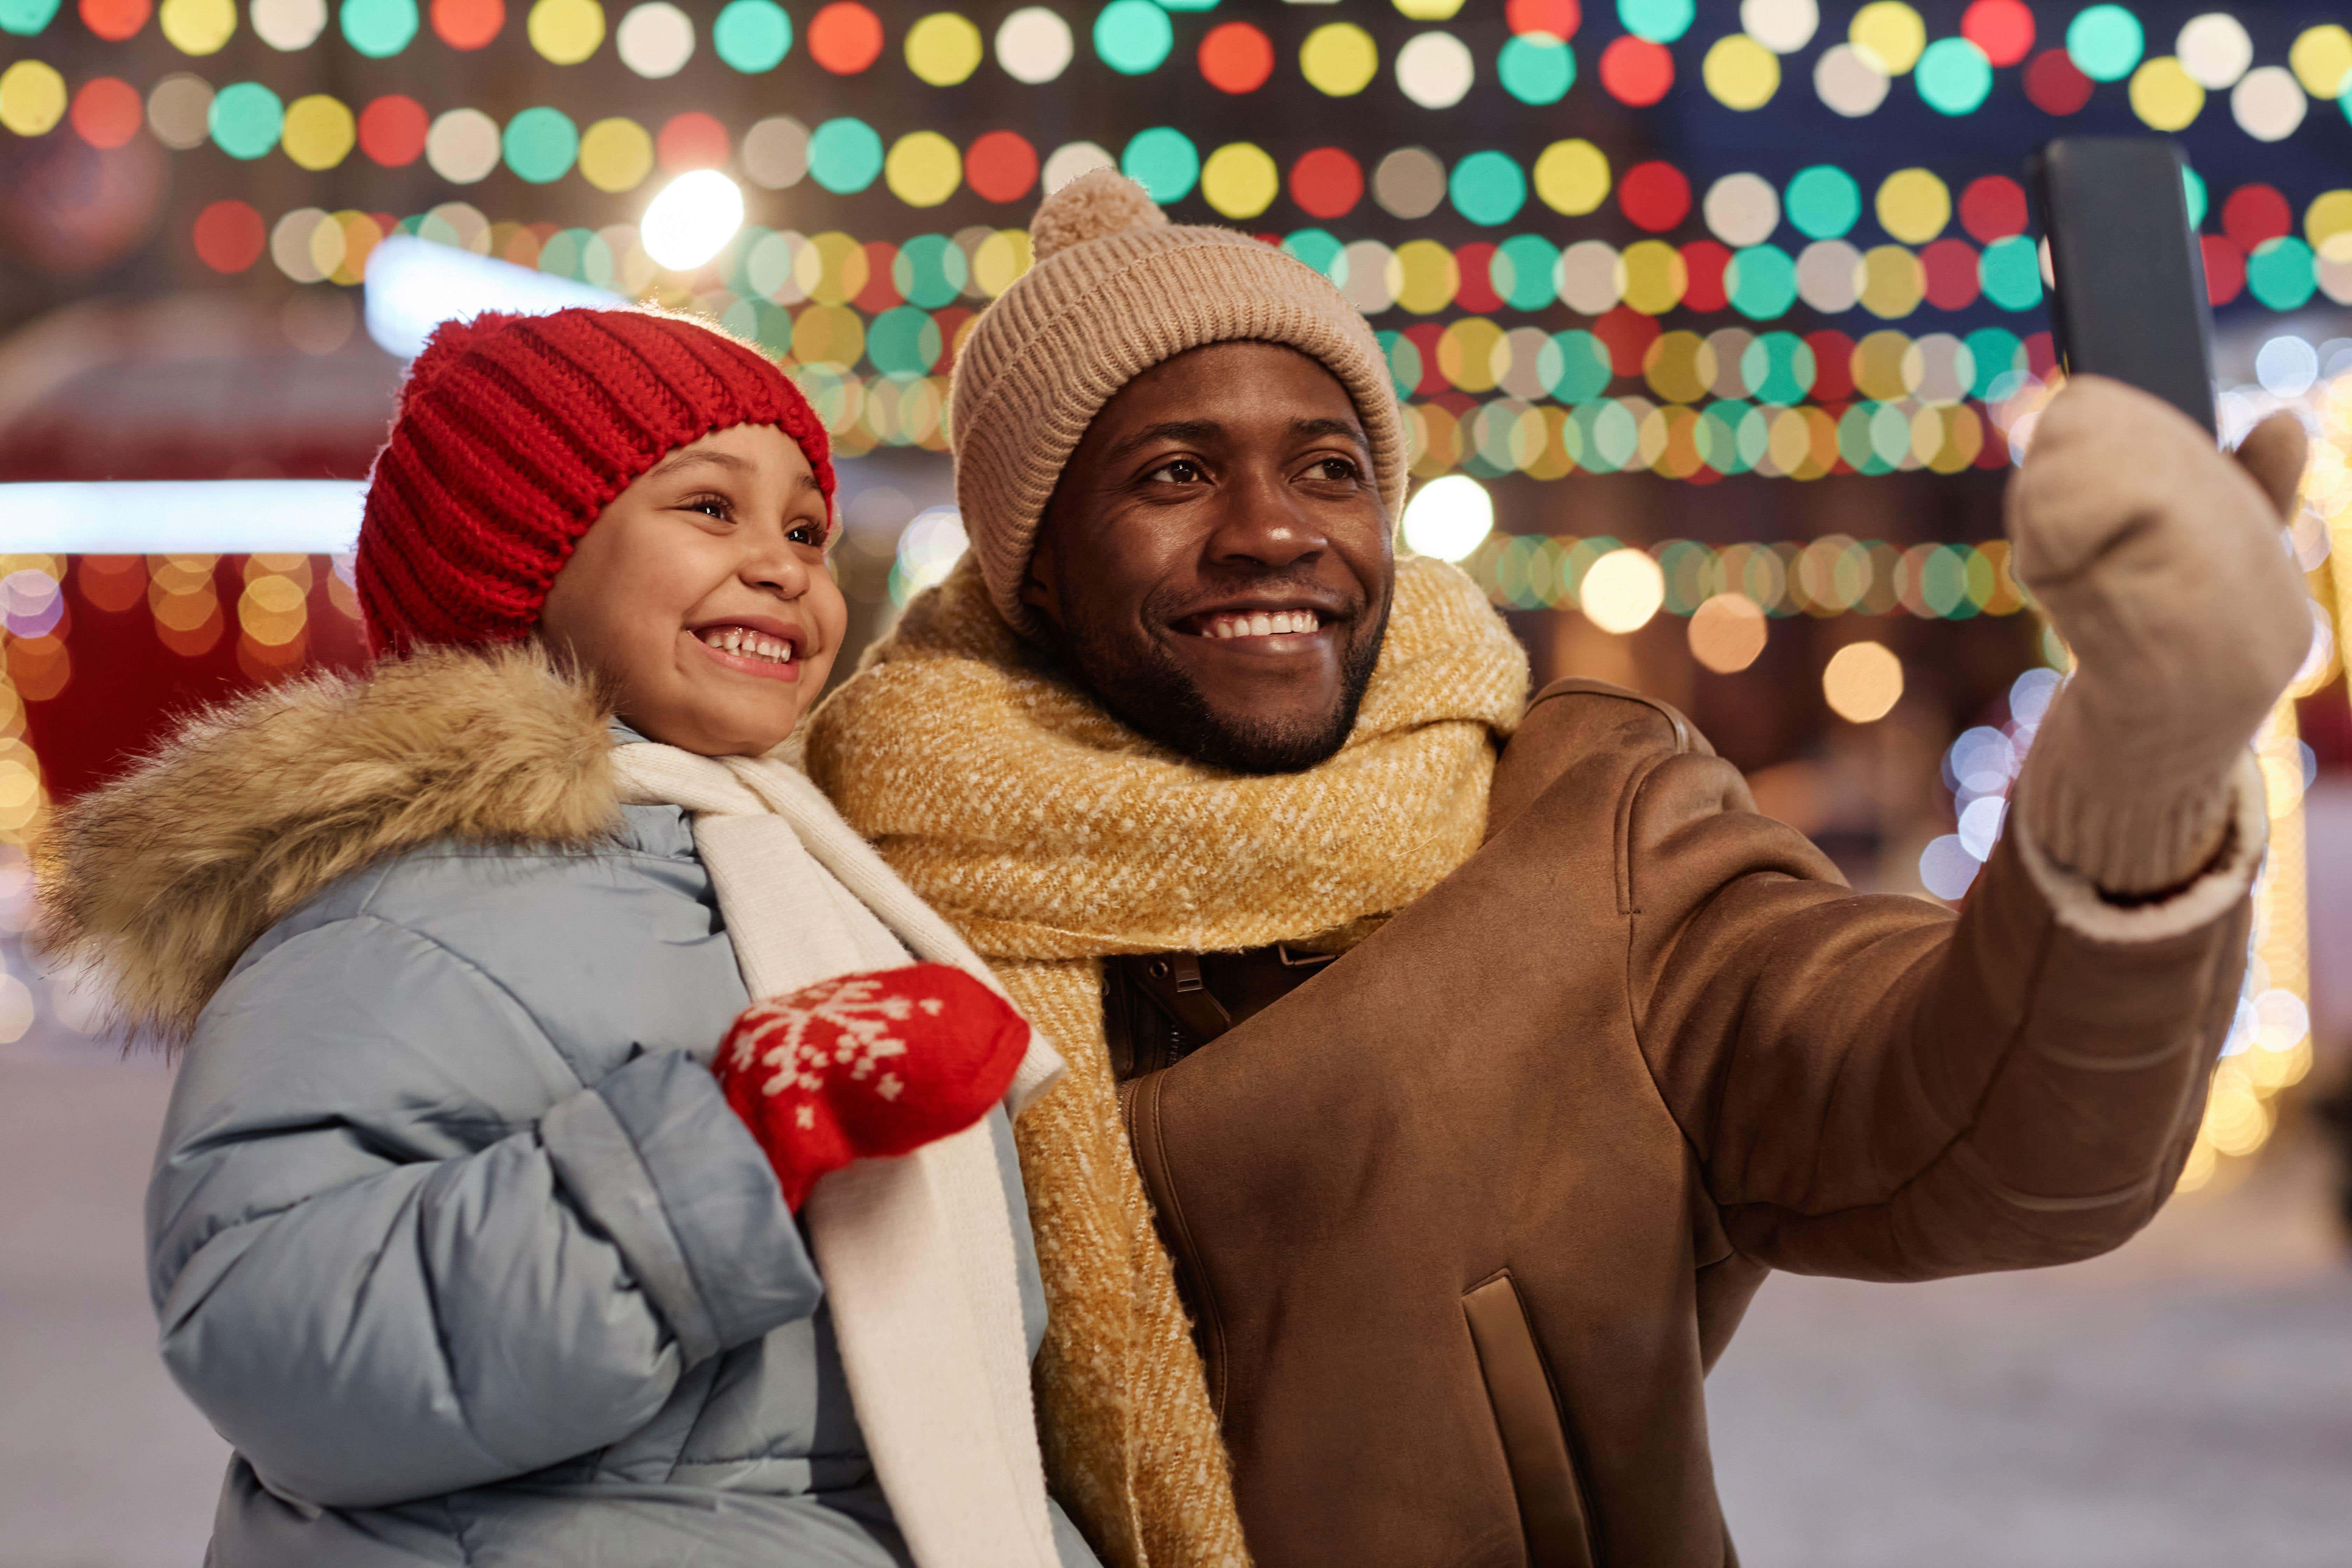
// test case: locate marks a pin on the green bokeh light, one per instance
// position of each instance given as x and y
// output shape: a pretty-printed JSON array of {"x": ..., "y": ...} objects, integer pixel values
[
  {"x": 245, "y": 118},
  {"x": 1535, "y": 69},
  {"x": 1575, "y": 366},
  {"x": 1954, "y": 76},
  {"x": 2192, "y": 186},
  {"x": 903, "y": 341},
  {"x": 845, "y": 156},
  {"x": 1998, "y": 355},
  {"x": 1404, "y": 362},
  {"x": 2279, "y": 273},
  {"x": 752, "y": 36},
  {"x": 1761, "y": 282},
  {"x": 1823, "y": 202},
  {"x": 930, "y": 270},
  {"x": 541, "y": 145},
  {"x": 2010, "y": 272},
  {"x": 1660, "y": 21},
  {"x": 1778, "y": 368},
  {"x": 1488, "y": 188},
  {"x": 1133, "y": 36},
  {"x": 1522, "y": 271},
  {"x": 1318, "y": 247},
  {"x": 379, "y": 28},
  {"x": 2105, "y": 42},
  {"x": 1163, "y": 161},
  {"x": 25, "y": 18}
]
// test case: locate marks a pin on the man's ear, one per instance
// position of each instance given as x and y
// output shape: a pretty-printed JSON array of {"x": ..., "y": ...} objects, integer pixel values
[{"x": 1041, "y": 587}]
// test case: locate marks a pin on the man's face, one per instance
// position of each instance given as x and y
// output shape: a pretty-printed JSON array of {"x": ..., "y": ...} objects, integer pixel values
[{"x": 1216, "y": 562}]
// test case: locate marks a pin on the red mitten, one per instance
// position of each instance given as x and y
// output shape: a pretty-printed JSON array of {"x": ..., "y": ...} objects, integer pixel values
[{"x": 867, "y": 1067}]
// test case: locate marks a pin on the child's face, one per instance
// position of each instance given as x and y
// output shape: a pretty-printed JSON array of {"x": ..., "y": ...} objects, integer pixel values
[{"x": 702, "y": 594}]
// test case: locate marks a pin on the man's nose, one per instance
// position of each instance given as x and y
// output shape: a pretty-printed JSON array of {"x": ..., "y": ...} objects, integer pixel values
[{"x": 1262, "y": 524}]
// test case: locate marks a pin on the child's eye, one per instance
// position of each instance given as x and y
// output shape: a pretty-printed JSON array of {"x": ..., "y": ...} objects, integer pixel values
[
  {"x": 1180, "y": 472},
  {"x": 716, "y": 507},
  {"x": 810, "y": 533}
]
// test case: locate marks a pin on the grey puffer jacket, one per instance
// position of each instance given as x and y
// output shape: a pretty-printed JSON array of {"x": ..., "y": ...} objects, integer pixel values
[{"x": 452, "y": 1233}]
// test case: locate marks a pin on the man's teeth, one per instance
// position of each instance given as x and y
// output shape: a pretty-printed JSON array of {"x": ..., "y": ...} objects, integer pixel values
[
  {"x": 747, "y": 643},
  {"x": 1262, "y": 623}
]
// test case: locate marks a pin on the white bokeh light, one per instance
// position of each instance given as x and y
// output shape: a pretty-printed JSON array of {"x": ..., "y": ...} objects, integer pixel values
[
  {"x": 656, "y": 39},
  {"x": 692, "y": 219},
  {"x": 1447, "y": 517},
  {"x": 1033, "y": 45},
  {"x": 1434, "y": 70},
  {"x": 2214, "y": 50},
  {"x": 2268, "y": 103},
  {"x": 1622, "y": 591},
  {"x": 1783, "y": 27}
]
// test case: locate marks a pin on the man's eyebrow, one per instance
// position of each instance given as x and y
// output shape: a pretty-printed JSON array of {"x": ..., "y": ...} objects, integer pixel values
[
  {"x": 677, "y": 461},
  {"x": 1189, "y": 430},
  {"x": 1346, "y": 429}
]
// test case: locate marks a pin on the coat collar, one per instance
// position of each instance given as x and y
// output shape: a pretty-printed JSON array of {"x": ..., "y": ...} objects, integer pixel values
[{"x": 164, "y": 876}]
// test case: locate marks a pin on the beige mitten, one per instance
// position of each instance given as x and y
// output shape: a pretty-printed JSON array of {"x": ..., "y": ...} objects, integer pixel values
[{"x": 2158, "y": 558}]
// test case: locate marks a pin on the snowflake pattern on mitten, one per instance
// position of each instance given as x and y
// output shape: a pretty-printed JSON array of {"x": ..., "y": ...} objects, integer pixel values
[{"x": 868, "y": 1066}]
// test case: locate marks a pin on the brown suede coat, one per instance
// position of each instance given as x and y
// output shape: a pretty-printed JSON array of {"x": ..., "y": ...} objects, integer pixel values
[{"x": 1467, "y": 1218}]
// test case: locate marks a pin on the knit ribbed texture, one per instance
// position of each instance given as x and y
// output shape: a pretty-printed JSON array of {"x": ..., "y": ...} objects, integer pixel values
[
  {"x": 1116, "y": 290},
  {"x": 513, "y": 433},
  {"x": 1050, "y": 834}
]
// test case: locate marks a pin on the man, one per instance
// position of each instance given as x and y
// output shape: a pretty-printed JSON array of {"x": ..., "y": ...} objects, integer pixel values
[{"x": 1472, "y": 1157}]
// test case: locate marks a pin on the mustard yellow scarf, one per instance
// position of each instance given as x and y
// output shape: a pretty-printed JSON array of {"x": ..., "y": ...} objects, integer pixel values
[{"x": 1051, "y": 835}]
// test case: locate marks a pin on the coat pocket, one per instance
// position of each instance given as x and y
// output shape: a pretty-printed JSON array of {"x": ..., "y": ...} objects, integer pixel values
[{"x": 1527, "y": 1418}]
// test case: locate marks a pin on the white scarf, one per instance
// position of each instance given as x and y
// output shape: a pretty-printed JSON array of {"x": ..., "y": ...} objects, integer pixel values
[{"x": 916, "y": 1253}]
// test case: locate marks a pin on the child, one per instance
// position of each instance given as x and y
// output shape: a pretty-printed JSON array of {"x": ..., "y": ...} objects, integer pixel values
[{"x": 472, "y": 1227}]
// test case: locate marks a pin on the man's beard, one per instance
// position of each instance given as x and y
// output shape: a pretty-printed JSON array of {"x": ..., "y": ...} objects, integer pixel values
[{"x": 1141, "y": 683}]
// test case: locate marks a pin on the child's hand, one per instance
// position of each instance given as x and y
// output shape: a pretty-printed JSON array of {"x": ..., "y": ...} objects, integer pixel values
[{"x": 867, "y": 1067}]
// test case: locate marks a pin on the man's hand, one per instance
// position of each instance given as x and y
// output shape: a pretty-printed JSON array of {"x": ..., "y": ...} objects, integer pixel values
[
  {"x": 867, "y": 1067},
  {"x": 2158, "y": 558}
]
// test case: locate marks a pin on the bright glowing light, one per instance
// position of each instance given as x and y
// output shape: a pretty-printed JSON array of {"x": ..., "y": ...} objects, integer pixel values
[
  {"x": 415, "y": 285},
  {"x": 2215, "y": 50},
  {"x": 1447, "y": 518},
  {"x": 692, "y": 219},
  {"x": 1728, "y": 633},
  {"x": 1622, "y": 591},
  {"x": 1864, "y": 681},
  {"x": 934, "y": 542},
  {"x": 169, "y": 516}
]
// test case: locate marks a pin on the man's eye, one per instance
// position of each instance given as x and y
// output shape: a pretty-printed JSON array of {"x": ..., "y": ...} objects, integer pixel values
[
  {"x": 1336, "y": 469},
  {"x": 1182, "y": 471}
]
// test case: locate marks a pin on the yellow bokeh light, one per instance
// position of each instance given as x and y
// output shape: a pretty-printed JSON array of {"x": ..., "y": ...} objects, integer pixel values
[
  {"x": 616, "y": 154},
  {"x": 1572, "y": 177},
  {"x": 943, "y": 48},
  {"x": 1864, "y": 683},
  {"x": 1728, "y": 633},
  {"x": 2322, "y": 60},
  {"x": 2326, "y": 217},
  {"x": 1914, "y": 205},
  {"x": 1240, "y": 180},
  {"x": 1339, "y": 59},
  {"x": 1740, "y": 72},
  {"x": 2165, "y": 96},
  {"x": 319, "y": 131},
  {"x": 1424, "y": 277},
  {"x": 32, "y": 98},
  {"x": 1622, "y": 591},
  {"x": 1428, "y": 10},
  {"x": 198, "y": 26},
  {"x": 1656, "y": 276},
  {"x": 1889, "y": 35},
  {"x": 923, "y": 168},
  {"x": 566, "y": 32},
  {"x": 1000, "y": 259}
]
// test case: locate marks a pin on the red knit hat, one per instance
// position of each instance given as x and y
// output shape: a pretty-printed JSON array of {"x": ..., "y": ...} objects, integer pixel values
[{"x": 513, "y": 433}]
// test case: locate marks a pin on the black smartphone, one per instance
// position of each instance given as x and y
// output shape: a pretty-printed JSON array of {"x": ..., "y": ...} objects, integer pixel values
[{"x": 2129, "y": 296}]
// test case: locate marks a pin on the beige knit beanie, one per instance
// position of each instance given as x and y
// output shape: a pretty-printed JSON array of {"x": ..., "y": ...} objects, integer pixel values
[{"x": 1116, "y": 289}]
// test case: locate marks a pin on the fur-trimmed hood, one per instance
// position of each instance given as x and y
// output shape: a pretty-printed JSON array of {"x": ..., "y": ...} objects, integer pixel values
[{"x": 161, "y": 878}]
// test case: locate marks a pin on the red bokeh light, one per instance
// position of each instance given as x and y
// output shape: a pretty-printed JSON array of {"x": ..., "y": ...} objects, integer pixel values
[
  {"x": 1423, "y": 337},
  {"x": 691, "y": 141},
  {"x": 2054, "y": 85},
  {"x": 1704, "y": 263},
  {"x": 1627, "y": 334},
  {"x": 115, "y": 20},
  {"x": 1558, "y": 18},
  {"x": 1475, "y": 266},
  {"x": 106, "y": 111},
  {"x": 2254, "y": 214},
  {"x": 1636, "y": 71},
  {"x": 468, "y": 23},
  {"x": 844, "y": 37},
  {"x": 1326, "y": 182},
  {"x": 2003, "y": 29},
  {"x": 393, "y": 129},
  {"x": 1236, "y": 58},
  {"x": 1951, "y": 265},
  {"x": 1001, "y": 166},
  {"x": 229, "y": 236},
  {"x": 2225, "y": 268},
  {"x": 1992, "y": 207},
  {"x": 1832, "y": 365},
  {"x": 1654, "y": 196}
]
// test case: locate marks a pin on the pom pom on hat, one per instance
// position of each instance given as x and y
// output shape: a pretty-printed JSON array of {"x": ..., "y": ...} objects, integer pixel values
[
  {"x": 1096, "y": 205},
  {"x": 449, "y": 343}
]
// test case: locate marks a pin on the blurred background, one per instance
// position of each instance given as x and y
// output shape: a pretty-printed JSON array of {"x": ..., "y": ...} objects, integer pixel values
[{"x": 1719, "y": 326}]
